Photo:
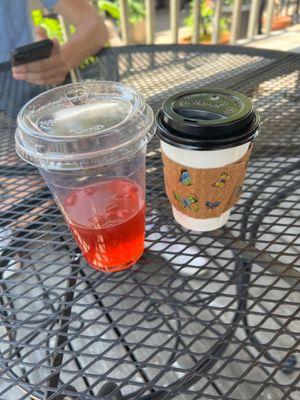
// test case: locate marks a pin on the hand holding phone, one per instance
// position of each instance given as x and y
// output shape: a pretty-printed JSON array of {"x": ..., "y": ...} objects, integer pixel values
[
  {"x": 41, "y": 63},
  {"x": 31, "y": 52}
]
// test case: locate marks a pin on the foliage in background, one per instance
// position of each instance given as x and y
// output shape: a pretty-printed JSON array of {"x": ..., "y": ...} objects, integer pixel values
[
  {"x": 136, "y": 10},
  {"x": 207, "y": 14},
  {"x": 51, "y": 25},
  {"x": 54, "y": 31}
]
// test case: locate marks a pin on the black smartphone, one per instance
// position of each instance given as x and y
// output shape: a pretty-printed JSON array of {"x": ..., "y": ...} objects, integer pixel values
[{"x": 31, "y": 52}]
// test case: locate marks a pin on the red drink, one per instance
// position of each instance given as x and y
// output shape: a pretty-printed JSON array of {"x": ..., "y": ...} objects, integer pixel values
[{"x": 108, "y": 222}]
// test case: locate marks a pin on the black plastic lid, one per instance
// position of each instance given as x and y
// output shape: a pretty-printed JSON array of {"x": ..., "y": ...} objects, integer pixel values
[{"x": 207, "y": 119}]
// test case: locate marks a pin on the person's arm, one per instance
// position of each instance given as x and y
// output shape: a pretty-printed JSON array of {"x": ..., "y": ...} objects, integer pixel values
[
  {"x": 91, "y": 33},
  {"x": 90, "y": 36}
]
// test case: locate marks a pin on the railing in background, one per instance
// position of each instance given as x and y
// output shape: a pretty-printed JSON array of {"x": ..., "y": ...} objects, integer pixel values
[
  {"x": 150, "y": 21},
  {"x": 216, "y": 21},
  {"x": 253, "y": 21},
  {"x": 269, "y": 16},
  {"x": 124, "y": 20},
  {"x": 236, "y": 19},
  {"x": 196, "y": 27}
]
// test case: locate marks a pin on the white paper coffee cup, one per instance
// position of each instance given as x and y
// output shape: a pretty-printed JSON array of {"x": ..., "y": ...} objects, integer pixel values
[
  {"x": 203, "y": 160},
  {"x": 204, "y": 129}
]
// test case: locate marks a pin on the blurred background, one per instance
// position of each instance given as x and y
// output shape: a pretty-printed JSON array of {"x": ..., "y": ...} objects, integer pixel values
[{"x": 269, "y": 24}]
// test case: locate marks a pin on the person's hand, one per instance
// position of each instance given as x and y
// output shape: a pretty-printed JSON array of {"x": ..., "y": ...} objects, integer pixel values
[{"x": 49, "y": 71}]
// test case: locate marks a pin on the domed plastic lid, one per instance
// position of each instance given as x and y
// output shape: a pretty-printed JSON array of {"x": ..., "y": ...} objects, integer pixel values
[
  {"x": 83, "y": 125},
  {"x": 207, "y": 119}
]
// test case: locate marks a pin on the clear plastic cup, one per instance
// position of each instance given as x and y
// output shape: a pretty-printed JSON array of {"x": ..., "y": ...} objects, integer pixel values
[
  {"x": 205, "y": 129},
  {"x": 89, "y": 142}
]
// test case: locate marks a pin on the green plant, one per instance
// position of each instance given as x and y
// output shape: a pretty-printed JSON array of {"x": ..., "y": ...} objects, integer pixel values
[
  {"x": 111, "y": 8},
  {"x": 136, "y": 10},
  {"x": 53, "y": 29},
  {"x": 51, "y": 25},
  {"x": 207, "y": 14}
]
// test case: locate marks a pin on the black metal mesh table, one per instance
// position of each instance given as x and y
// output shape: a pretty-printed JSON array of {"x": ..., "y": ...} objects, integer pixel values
[{"x": 212, "y": 315}]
